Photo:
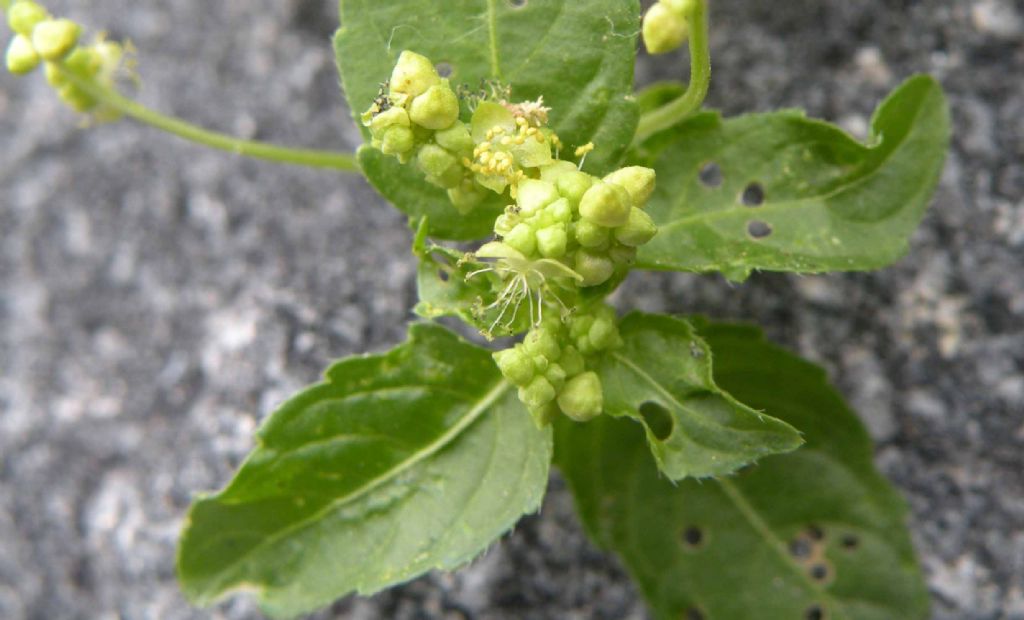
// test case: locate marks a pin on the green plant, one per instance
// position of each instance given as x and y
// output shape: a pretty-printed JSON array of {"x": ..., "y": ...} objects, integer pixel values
[{"x": 420, "y": 457}]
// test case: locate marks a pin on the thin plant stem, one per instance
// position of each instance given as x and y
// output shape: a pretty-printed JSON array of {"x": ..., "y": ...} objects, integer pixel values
[
  {"x": 700, "y": 76},
  {"x": 261, "y": 150}
]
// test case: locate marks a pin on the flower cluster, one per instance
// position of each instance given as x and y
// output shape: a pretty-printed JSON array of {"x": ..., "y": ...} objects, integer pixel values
[
  {"x": 565, "y": 231},
  {"x": 54, "y": 42}
]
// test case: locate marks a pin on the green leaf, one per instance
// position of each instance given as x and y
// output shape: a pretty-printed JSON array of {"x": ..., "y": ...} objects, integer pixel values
[
  {"x": 658, "y": 94},
  {"x": 829, "y": 202},
  {"x": 662, "y": 378},
  {"x": 396, "y": 464},
  {"x": 405, "y": 187},
  {"x": 577, "y": 55},
  {"x": 751, "y": 545}
]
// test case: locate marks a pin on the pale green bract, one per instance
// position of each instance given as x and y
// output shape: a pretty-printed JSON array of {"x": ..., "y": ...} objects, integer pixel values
[
  {"x": 819, "y": 200},
  {"x": 578, "y": 56},
  {"x": 396, "y": 464},
  {"x": 816, "y": 533}
]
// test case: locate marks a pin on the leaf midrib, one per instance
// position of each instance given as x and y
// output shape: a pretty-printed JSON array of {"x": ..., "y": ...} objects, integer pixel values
[{"x": 488, "y": 399}]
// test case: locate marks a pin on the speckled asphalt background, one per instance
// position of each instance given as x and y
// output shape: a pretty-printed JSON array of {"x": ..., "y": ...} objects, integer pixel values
[{"x": 158, "y": 299}]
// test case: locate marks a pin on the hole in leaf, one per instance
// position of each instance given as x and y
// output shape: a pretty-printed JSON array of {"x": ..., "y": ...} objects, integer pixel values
[
  {"x": 657, "y": 418},
  {"x": 814, "y": 532},
  {"x": 517, "y": 4},
  {"x": 814, "y": 612},
  {"x": 758, "y": 229},
  {"x": 850, "y": 542},
  {"x": 800, "y": 547},
  {"x": 820, "y": 572},
  {"x": 753, "y": 195},
  {"x": 710, "y": 174},
  {"x": 441, "y": 273},
  {"x": 693, "y": 613},
  {"x": 693, "y": 536},
  {"x": 444, "y": 69}
]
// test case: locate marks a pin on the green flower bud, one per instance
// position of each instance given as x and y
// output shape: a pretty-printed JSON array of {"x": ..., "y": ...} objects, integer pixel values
[
  {"x": 23, "y": 16},
  {"x": 83, "y": 61},
  {"x": 552, "y": 172},
  {"x": 413, "y": 75},
  {"x": 466, "y": 196},
  {"x": 543, "y": 416},
  {"x": 663, "y": 29},
  {"x": 542, "y": 342},
  {"x": 580, "y": 325},
  {"x": 392, "y": 117},
  {"x": 638, "y": 230},
  {"x": 559, "y": 211},
  {"x": 582, "y": 398},
  {"x": 533, "y": 195},
  {"x": 551, "y": 241},
  {"x": 397, "y": 141},
  {"x": 54, "y": 75},
  {"x": 76, "y": 98},
  {"x": 522, "y": 238},
  {"x": 636, "y": 180},
  {"x": 538, "y": 393},
  {"x": 681, "y": 7},
  {"x": 571, "y": 361},
  {"x": 54, "y": 38},
  {"x": 574, "y": 185},
  {"x": 21, "y": 57},
  {"x": 603, "y": 334},
  {"x": 439, "y": 165},
  {"x": 515, "y": 366},
  {"x": 591, "y": 235},
  {"x": 594, "y": 268},
  {"x": 622, "y": 255},
  {"x": 438, "y": 108},
  {"x": 556, "y": 376},
  {"x": 605, "y": 204},
  {"x": 456, "y": 138},
  {"x": 541, "y": 363}
]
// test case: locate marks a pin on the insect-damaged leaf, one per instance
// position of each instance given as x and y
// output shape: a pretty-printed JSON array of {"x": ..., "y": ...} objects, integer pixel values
[
  {"x": 815, "y": 533},
  {"x": 662, "y": 377},
  {"x": 577, "y": 55},
  {"x": 398, "y": 463},
  {"x": 782, "y": 192}
]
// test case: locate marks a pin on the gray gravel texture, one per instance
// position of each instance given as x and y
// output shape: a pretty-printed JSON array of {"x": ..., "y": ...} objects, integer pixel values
[{"x": 158, "y": 299}]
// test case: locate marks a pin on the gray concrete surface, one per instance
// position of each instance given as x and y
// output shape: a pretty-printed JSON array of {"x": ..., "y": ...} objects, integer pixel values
[{"x": 158, "y": 299}]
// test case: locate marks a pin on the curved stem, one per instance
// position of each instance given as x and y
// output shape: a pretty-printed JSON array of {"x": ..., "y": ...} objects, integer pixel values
[
  {"x": 261, "y": 150},
  {"x": 700, "y": 76}
]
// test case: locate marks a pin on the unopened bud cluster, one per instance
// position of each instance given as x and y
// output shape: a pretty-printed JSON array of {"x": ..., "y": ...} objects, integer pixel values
[
  {"x": 667, "y": 25},
  {"x": 550, "y": 365},
  {"x": 54, "y": 42},
  {"x": 416, "y": 118},
  {"x": 567, "y": 230}
]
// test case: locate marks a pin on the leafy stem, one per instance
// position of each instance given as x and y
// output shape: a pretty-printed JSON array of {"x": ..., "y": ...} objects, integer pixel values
[
  {"x": 700, "y": 77},
  {"x": 261, "y": 150}
]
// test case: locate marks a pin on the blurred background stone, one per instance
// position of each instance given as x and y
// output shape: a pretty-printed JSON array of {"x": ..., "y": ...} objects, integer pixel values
[{"x": 159, "y": 299}]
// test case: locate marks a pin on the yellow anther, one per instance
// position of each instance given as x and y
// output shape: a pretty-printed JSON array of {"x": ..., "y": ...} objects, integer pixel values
[
  {"x": 583, "y": 150},
  {"x": 531, "y": 131},
  {"x": 506, "y": 141},
  {"x": 521, "y": 140}
]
